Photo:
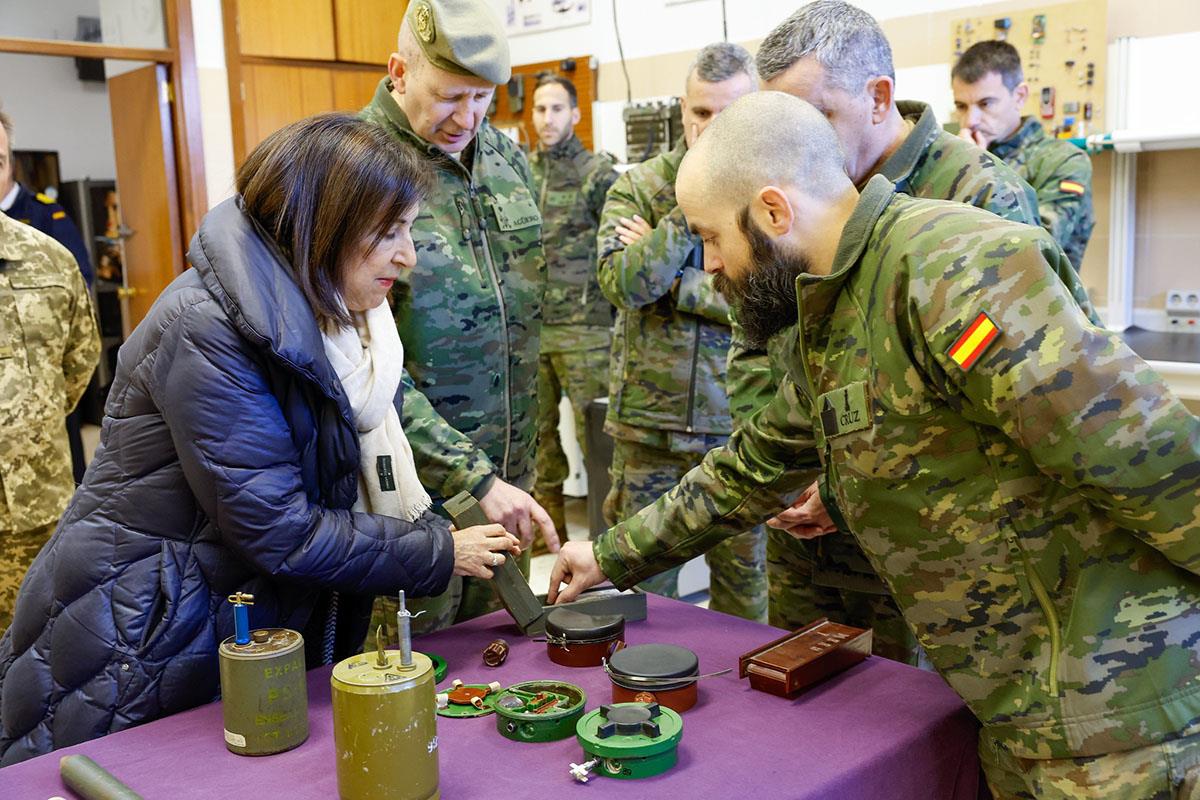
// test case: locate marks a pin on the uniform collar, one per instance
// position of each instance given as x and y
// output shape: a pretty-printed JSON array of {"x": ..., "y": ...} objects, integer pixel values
[
  {"x": 10, "y": 199},
  {"x": 1028, "y": 132},
  {"x": 902, "y": 163},
  {"x": 873, "y": 199},
  {"x": 566, "y": 149},
  {"x": 397, "y": 121}
]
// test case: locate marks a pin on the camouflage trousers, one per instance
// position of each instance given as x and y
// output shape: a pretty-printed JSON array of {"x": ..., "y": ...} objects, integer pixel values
[
  {"x": 1167, "y": 771},
  {"x": 640, "y": 475},
  {"x": 17, "y": 551},
  {"x": 795, "y": 601},
  {"x": 582, "y": 376},
  {"x": 465, "y": 598}
]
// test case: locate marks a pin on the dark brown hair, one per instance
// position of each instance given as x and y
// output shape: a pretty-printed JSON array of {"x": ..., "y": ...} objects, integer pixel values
[
  {"x": 318, "y": 187},
  {"x": 549, "y": 78},
  {"x": 990, "y": 56}
]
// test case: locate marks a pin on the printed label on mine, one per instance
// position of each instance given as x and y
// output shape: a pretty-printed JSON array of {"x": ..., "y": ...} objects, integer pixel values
[{"x": 235, "y": 739}]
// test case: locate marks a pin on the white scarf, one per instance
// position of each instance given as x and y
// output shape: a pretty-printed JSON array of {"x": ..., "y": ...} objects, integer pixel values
[{"x": 368, "y": 358}]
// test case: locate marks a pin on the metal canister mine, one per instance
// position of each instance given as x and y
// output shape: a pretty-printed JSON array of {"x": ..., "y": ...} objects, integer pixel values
[
  {"x": 384, "y": 723},
  {"x": 264, "y": 696}
]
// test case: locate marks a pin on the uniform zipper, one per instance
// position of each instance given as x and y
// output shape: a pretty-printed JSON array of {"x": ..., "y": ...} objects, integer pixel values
[
  {"x": 495, "y": 275},
  {"x": 1043, "y": 598},
  {"x": 691, "y": 403}
]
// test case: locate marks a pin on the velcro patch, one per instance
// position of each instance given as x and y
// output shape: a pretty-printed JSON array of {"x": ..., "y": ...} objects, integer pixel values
[
  {"x": 845, "y": 410},
  {"x": 974, "y": 341},
  {"x": 1071, "y": 187}
]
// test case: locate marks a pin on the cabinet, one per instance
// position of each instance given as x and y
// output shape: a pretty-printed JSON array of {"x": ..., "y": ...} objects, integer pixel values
[
  {"x": 366, "y": 29},
  {"x": 286, "y": 29}
]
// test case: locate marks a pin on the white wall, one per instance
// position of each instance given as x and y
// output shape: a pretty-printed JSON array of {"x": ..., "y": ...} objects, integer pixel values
[{"x": 215, "y": 119}]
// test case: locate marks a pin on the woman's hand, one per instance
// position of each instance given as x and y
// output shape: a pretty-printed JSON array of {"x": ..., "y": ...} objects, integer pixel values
[{"x": 479, "y": 548}]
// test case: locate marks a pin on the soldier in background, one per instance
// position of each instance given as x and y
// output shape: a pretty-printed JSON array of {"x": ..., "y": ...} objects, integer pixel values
[
  {"x": 576, "y": 316},
  {"x": 1064, "y": 613},
  {"x": 836, "y": 57},
  {"x": 49, "y": 346},
  {"x": 667, "y": 400},
  {"x": 989, "y": 93},
  {"x": 470, "y": 312},
  {"x": 42, "y": 212}
]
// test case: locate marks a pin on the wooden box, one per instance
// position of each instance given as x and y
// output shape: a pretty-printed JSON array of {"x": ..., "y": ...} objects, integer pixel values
[{"x": 807, "y": 656}]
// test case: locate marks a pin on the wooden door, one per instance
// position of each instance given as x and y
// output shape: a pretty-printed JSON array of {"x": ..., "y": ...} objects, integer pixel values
[
  {"x": 367, "y": 29},
  {"x": 286, "y": 29},
  {"x": 146, "y": 186}
]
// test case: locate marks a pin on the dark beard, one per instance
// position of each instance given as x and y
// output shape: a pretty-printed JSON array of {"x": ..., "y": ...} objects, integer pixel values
[{"x": 766, "y": 297}]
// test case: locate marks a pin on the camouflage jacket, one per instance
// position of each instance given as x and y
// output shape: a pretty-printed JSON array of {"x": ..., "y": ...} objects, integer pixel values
[
  {"x": 671, "y": 337},
  {"x": 1061, "y": 174},
  {"x": 471, "y": 311},
  {"x": 571, "y": 183},
  {"x": 49, "y": 345},
  {"x": 934, "y": 164},
  {"x": 1033, "y": 515}
]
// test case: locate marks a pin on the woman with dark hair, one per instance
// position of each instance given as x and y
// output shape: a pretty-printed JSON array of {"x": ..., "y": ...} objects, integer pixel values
[{"x": 251, "y": 443}]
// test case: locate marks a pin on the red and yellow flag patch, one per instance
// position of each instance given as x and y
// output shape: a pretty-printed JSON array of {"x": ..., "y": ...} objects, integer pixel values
[
  {"x": 1071, "y": 187},
  {"x": 974, "y": 341}
]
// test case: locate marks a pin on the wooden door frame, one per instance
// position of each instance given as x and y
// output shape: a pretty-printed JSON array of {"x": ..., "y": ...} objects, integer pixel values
[{"x": 179, "y": 57}]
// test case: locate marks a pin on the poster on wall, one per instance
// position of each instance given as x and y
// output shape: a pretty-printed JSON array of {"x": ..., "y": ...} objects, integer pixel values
[{"x": 535, "y": 16}]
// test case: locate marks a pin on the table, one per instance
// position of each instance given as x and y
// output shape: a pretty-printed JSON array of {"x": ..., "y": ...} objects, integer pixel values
[{"x": 878, "y": 730}]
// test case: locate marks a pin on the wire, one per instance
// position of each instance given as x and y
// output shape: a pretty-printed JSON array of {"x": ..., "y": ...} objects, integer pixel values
[
  {"x": 621, "y": 52},
  {"x": 724, "y": 21}
]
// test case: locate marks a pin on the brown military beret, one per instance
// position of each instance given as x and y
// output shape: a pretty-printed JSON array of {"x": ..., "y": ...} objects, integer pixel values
[{"x": 461, "y": 36}]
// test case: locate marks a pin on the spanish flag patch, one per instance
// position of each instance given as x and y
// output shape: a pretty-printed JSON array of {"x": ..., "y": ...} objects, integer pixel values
[
  {"x": 1071, "y": 187},
  {"x": 976, "y": 339}
]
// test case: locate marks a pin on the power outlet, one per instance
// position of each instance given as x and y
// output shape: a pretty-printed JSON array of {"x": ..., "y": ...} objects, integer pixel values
[{"x": 1183, "y": 303}]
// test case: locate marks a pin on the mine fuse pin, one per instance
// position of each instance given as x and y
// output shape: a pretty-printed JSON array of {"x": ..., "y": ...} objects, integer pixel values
[
  {"x": 241, "y": 617},
  {"x": 404, "y": 619}
]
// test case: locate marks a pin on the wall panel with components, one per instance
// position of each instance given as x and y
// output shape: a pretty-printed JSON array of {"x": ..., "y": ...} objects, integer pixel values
[{"x": 1064, "y": 53}]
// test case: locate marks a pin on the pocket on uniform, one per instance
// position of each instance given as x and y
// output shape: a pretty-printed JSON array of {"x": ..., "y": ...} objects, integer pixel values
[{"x": 515, "y": 212}]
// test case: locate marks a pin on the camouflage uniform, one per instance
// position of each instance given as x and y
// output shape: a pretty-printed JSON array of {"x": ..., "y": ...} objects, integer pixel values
[
  {"x": 829, "y": 576},
  {"x": 1061, "y": 174},
  {"x": 469, "y": 315},
  {"x": 667, "y": 401},
  {"x": 49, "y": 345},
  {"x": 577, "y": 318},
  {"x": 1033, "y": 515}
]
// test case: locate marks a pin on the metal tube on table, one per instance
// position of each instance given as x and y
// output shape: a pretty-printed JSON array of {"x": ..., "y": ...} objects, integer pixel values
[{"x": 91, "y": 781}]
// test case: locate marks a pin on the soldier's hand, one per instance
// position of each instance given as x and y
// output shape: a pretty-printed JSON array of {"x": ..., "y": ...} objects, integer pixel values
[
  {"x": 577, "y": 568},
  {"x": 972, "y": 136},
  {"x": 480, "y": 548},
  {"x": 806, "y": 518},
  {"x": 630, "y": 230},
  {"x": 518, "y": 512}
]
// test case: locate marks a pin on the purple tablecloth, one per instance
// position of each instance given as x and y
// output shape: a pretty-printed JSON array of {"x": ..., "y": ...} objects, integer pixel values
[{"x": 879, "y": 730}]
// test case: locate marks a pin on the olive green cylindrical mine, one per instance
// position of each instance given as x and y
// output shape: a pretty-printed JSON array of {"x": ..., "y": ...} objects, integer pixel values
[
  {"x": 385, "y": 728},
  {"x": 264, "y": 696}
]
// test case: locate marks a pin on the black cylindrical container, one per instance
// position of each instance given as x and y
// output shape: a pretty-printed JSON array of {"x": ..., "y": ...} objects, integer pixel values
[
  {"x": 664, "y": 671},
  {"x": 574, "y": 639}
]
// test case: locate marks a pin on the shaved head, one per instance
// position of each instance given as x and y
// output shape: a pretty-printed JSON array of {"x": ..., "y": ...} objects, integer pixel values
[{"x": 765, "y": 139}]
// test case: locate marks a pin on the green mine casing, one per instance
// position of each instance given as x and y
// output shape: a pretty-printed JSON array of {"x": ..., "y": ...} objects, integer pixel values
[
  {"x": 91, "y": 781},
  {"x": 385, "y": 728},
  {"x": 264, "y": 694}
]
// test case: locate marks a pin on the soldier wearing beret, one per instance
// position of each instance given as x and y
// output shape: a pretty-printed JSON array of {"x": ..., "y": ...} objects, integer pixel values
[
  {"x": 1024, "y": 484},
  {"x": 49, "y": 345},
  {"x": 470, "y": 312},
  {"x": 989, "y": 93}
]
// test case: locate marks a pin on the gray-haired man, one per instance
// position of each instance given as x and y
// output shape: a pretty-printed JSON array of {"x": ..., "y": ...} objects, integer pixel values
[
  {"x": 836, "y": 57},
  {"x": 667, "y": 400}
]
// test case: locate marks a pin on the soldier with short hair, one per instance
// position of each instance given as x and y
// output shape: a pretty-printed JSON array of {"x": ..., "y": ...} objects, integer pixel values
[
  {"x": 470, "y": 312},
  {"x": 1025, "y": 484},
  {"x": 836, "y": 57},
  {"x": 577, "y": 318},
  {"x": 49, "y": 346},
  {"x": 667, "y": 396},
  {"x": 989, "y": 93}
]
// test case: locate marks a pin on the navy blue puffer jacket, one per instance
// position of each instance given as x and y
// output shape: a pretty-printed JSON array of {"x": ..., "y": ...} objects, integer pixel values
[{"x": 227, "y": 462}]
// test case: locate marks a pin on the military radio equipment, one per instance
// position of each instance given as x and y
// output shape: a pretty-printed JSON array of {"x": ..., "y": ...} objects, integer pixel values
[
  {"x": 264, "y": 694},
  {"x": 800, "y": 659},
  {"x": 539, "y": 711},
  {"x": 91, "y": 781},
  {"x": 651, "y": 129},
  {"x": 628, "y": 740},
  {"x": 507, "y": 579},
  {"x": 384, "y": 727}
]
